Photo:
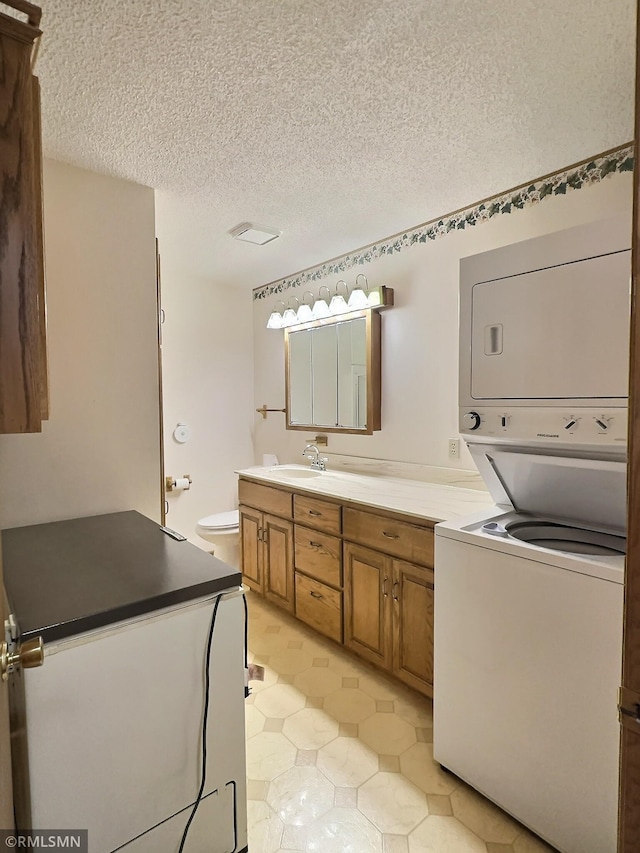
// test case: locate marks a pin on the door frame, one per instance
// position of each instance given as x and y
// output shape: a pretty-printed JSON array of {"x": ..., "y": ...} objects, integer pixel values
[{"x": 629, "y": 789}]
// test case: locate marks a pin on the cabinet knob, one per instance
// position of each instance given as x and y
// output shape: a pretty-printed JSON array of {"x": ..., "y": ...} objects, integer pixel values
[{"x": 390, "y": 535}]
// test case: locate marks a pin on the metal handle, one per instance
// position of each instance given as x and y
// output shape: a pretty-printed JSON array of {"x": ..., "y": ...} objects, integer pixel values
[
  {"x": 259, "y": 535},
  {"x": 315, "y": 544},
  {"x": 390, "y": 535},
  {"x": 384, "y": 586},
  {"x": 393, "y": 590},
  {"x": 315, "y": 594},
  {"x": 314, "y": 512},
  {"x": 28, "y": 654},
  {"x": 265, "y": 535}
]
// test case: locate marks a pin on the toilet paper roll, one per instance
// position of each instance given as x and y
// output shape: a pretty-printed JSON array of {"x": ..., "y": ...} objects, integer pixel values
[
  {"x": 182, "y": 483},
  {"x": 269, "y": 459}
]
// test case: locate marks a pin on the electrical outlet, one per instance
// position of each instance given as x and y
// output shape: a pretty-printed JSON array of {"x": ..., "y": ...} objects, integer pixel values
[{"x": 454, "y": 448}]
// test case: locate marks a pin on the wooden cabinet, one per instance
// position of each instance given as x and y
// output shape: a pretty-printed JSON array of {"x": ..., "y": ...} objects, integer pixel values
[
  {"x": 367, "y": 615},
  {"x": 319, "y": 606},
  {"x": 364, "y": 579},
  {"x": 266, "y": 548},
  {"x": 277, "y": 538},
  {"x": 412, "y": 603},
  {"x": 390, "y": 535},
  {"x": 388, "y": 614},
  {"x": 251, "y": 547},
  {"x": 23, "y": 370},
  {"x": 266, "y": 541}
]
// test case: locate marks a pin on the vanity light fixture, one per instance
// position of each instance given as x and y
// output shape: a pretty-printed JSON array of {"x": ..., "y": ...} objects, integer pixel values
[
  {"x": 376, "y": 299},
  {"x": 305, "y": 311},
  {"x": 257, "y": 234},
  {"x": 290, "y": 316},
  {"x": 359, "y": 297},
  {"x": 338, "y": 304},
  {"x": 275, "y": 318}
]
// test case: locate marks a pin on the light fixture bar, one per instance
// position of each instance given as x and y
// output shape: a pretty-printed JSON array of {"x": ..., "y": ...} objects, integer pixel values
[{"x": 377, "y": 298}]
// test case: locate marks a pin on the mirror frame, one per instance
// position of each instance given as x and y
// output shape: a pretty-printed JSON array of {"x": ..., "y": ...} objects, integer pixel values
[{"x": 374, "y": 370}]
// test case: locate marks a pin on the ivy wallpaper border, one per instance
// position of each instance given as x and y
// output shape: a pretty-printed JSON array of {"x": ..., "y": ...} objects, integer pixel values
[{"x": 574, "y": 178}]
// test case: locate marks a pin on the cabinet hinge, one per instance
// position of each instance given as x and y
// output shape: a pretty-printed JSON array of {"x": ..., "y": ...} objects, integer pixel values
[{"x": 629, "y": 708}]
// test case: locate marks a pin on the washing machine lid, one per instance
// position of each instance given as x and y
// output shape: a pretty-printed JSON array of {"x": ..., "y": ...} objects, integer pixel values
[
  {"x": 590, "y": 492},
  {"x": 221, "y": 520}
]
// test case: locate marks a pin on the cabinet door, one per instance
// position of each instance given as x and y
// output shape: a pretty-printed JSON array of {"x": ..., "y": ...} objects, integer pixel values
[
  {"x": 367, "y": 614},
  {"x": 412, "y": 595},
  {"x": 278, "y": 562},
  {"x": 251, "y": 529}
]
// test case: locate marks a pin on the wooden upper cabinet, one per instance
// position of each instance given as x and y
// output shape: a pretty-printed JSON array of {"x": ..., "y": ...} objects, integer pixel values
[{"x": 23, "y": 369}]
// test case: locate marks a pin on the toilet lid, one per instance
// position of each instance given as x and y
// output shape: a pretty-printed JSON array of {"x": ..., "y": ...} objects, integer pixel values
[{"x": 221, "y": 520}]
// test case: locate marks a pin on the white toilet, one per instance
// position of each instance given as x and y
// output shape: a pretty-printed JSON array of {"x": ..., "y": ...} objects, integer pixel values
[{"x": 222, "y": 530}]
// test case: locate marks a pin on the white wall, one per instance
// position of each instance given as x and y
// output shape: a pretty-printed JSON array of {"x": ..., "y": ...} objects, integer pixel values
[
  {"x": 99, "y": 451},
  {"x": 207, "y": 360},
  {"x": 419, "y": 335}
]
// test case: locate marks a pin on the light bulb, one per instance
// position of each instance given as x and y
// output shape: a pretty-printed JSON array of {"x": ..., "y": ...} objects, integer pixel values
[
  {"x": 338, "y": 305},
  {"x": 305, "y": 313},
  {"x": 320, "y": 310},
  {"x": 275, "y": 320},
  {"x": 289, "y": 318},
  {"x": 358, "y": 299}
]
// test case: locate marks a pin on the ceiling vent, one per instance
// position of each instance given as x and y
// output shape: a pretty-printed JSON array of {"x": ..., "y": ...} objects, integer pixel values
[{"x": 256, "y": 234}]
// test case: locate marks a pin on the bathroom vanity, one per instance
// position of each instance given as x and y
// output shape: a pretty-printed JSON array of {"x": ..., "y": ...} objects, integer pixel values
[{"x": 351, "y": 556}]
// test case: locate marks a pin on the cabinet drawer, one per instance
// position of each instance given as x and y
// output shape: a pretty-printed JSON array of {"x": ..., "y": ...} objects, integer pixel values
[
  {"x": 398, "y": 538},
  {"x": 319, "y": 606},
  {"x": 319, "y": 555},
  {"x": 317, "y": 513},
  {"x": 275, "y": 501}
]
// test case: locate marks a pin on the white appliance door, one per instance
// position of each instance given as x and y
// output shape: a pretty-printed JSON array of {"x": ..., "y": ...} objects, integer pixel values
[
  {"x": 557, "y": 333},
  {"x": 114, "y": 731},
  {"x": 527, "y": 666}
]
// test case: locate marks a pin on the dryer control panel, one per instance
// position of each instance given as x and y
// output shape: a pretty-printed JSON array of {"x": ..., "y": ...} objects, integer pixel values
[{"x": 604, "y": 428}]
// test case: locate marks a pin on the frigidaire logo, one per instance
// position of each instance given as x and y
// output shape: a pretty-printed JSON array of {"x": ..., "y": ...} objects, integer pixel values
[{"x": 547, "y": 435}]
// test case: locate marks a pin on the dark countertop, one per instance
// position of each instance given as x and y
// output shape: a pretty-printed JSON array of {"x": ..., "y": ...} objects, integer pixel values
[{"x": 68, "y": 577}]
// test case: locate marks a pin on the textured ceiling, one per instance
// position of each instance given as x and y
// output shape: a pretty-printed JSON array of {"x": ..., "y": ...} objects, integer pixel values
[{"x": 337, "y": 121}]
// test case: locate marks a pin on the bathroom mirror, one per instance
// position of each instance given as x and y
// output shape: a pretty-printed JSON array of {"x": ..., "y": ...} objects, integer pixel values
[{"x": 333, "y": 374}]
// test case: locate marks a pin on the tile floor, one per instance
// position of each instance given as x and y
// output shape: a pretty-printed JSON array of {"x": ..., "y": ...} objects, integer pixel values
[{"x": 339, "y": 758}]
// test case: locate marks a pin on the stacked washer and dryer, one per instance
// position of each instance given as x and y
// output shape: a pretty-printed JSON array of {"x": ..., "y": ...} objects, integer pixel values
[{"x": 529, "y": 596}]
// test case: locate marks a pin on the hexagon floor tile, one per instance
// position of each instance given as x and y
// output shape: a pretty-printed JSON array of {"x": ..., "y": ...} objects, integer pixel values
[{"x": 340, "y": 761}]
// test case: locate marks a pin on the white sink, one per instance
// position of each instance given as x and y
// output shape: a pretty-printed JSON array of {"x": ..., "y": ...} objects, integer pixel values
[{"x": 292, "y": 472}]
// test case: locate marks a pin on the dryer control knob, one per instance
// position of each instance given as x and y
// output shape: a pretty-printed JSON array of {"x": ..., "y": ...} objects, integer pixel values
[{"x": 471, "y": 420}]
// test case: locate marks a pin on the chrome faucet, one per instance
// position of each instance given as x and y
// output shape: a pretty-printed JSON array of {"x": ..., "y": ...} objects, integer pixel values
[{"x": 318, "y": 463}]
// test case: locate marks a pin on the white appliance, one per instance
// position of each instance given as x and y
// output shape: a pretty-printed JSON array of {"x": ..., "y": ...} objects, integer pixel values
[
  {"x": 144, "y": 653},
  {"x": 121, "y": 709},
  {"x": 544, "y": 340},
  {"x": 528, "y": 597}
]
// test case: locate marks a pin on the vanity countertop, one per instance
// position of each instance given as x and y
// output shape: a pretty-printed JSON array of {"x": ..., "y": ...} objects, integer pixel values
[{"x": 432, "y": 501}]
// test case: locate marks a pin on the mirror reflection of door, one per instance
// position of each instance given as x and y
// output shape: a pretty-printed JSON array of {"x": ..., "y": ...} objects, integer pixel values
[
  {"x": 325, "y": 375},
  {"x": 300, "y": 378},
  {"x": 352, "y": 371}
]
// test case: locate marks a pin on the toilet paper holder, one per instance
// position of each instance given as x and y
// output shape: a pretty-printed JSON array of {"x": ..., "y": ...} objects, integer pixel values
[{"x": 178, "y": 484}]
